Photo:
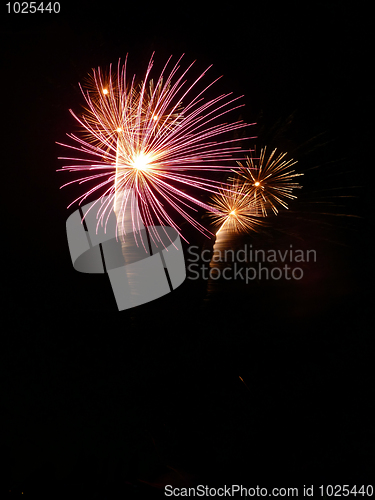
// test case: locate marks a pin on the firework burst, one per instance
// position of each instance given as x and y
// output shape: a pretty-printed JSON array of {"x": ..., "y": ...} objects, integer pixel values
[
  {"x": 234, "y": 210},
  {"x": 268, "y": 181},
  {"x": 139, "y": 138}
]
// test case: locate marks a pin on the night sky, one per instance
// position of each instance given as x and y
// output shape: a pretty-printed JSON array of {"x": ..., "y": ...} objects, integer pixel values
[{"x": 266, "y": 383}]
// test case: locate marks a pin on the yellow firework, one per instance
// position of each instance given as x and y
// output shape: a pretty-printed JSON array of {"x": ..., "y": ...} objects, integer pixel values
[
  {"x": 234, "y": 210},
  {"x": 269, "y": 181}
]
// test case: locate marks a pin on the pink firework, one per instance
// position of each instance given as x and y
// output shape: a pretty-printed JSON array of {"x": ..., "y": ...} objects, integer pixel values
[{"x": 157, "y": 139}]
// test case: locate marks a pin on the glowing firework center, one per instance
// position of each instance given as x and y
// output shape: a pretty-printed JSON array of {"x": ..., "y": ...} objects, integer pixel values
[
  {"x": 130, "y": 166},
  {"x": 141, "y": 162},
  {"x": 138, "y": 273}
]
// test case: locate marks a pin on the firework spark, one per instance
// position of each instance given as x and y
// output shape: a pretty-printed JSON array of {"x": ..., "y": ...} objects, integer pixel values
[
  {"x": 269, "y": 181},
  {"x": 140, "y": 138},
  {"x": 234, "y": 209}
]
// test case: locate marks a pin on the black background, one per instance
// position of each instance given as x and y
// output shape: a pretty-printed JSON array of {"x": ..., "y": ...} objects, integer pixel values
[{"x": 119, "y": 403}]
